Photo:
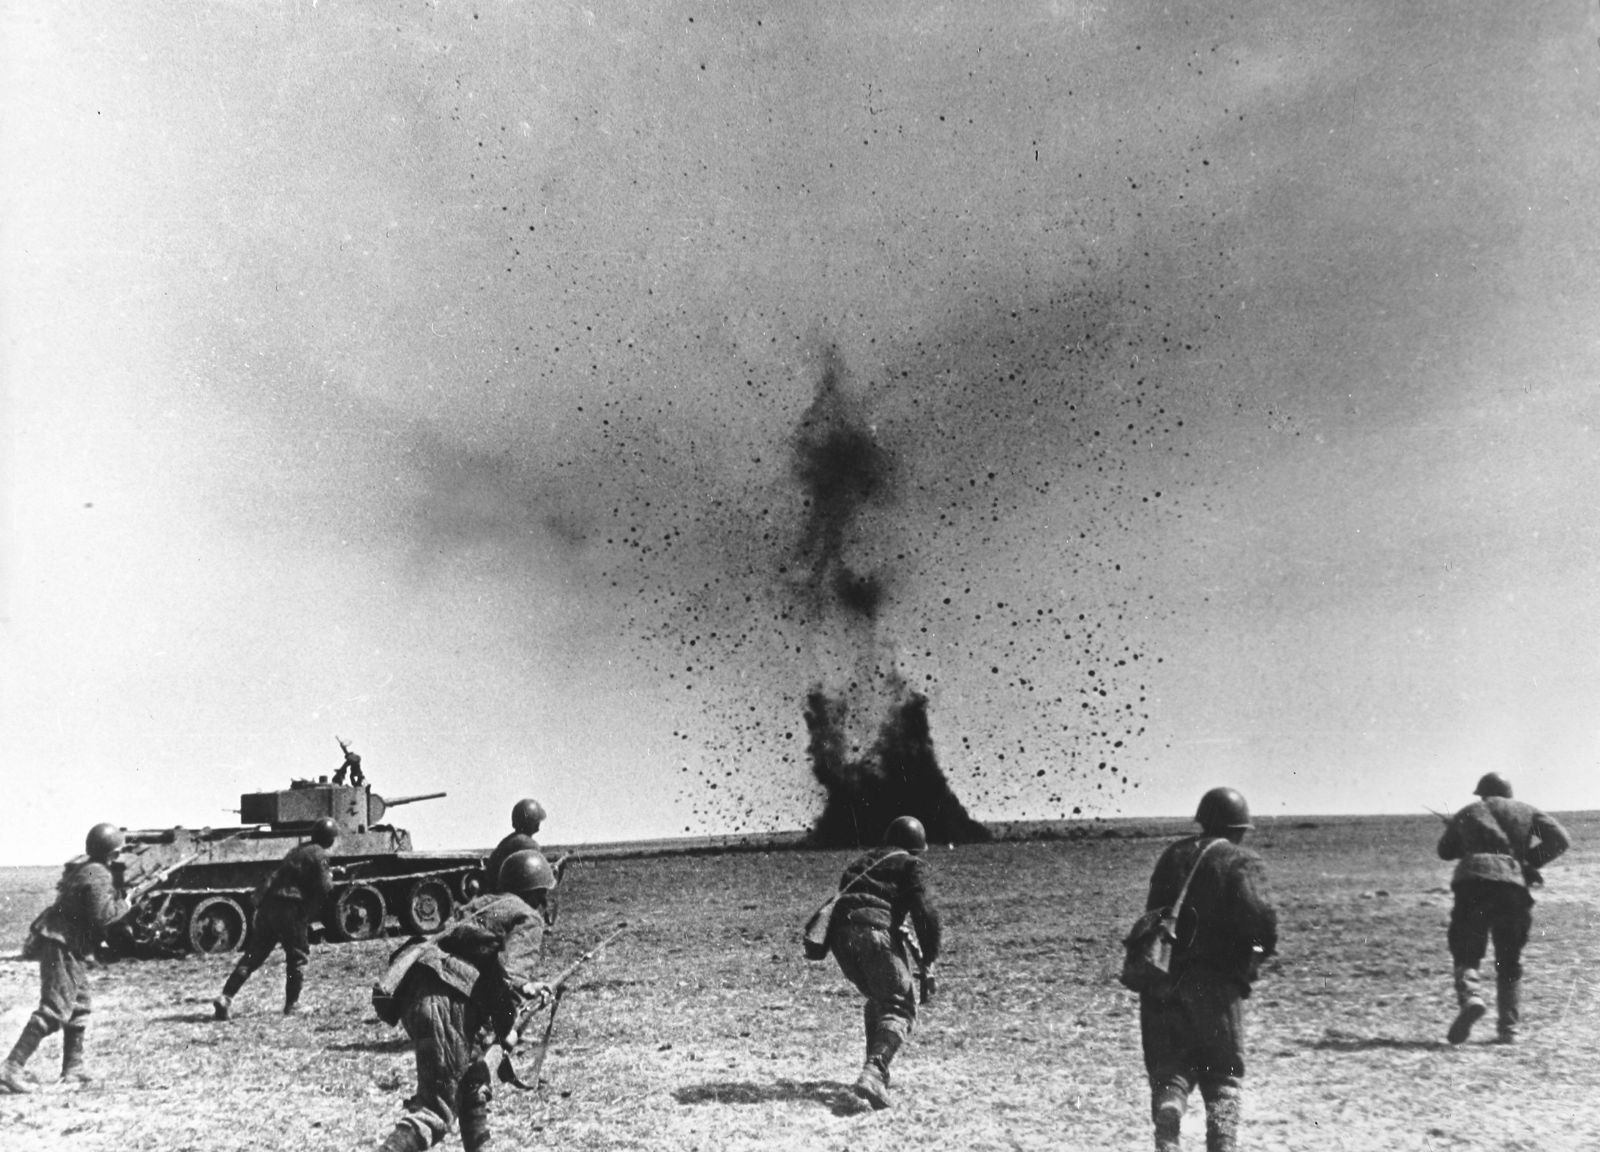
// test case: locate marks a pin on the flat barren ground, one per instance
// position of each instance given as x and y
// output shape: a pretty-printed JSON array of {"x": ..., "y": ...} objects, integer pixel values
[{"x": 703, "y": 1027}]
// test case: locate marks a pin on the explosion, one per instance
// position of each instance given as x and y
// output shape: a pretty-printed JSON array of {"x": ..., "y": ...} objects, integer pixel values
[{"x": 870, "y": 776}]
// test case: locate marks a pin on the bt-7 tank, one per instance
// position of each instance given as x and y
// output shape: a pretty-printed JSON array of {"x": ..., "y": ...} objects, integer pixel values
[{"x": 191, "y": 889}]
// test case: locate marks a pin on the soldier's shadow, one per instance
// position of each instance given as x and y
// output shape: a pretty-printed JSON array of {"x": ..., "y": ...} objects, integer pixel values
[
  {"x": 392, "y": 1044},
  {"x": 1343, "y": 1042},
  {"x": 187, "y": 1018},
  {"x": 836, "y": 1097}
]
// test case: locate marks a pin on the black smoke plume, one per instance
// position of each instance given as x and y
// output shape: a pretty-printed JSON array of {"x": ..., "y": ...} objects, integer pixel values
[{"x": 844, "y": 471}]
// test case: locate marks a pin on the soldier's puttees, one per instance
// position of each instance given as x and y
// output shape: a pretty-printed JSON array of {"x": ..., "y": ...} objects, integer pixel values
[
  {"x": 1501, "y": 844},
  {"x": 878, "y": 893},
  {"x": 1191, "y": 1023},
  {"x": 477, "y": 974},
  {"x": 62, "y": 939},
  {"x": 286, "y": 903}
]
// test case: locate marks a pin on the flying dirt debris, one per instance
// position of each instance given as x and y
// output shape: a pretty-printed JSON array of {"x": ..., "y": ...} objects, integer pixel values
[
  {"x": 898, "y": 776},
  {"x": 838, "y": 461}
]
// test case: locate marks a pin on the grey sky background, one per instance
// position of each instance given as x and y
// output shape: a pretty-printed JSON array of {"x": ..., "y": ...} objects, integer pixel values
[{"x": 428, "y": 374}]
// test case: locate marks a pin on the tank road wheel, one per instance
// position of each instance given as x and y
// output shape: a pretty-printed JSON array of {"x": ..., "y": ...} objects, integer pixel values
[
  {"x": 217, "y": 925},
  {"x": 470, "y": 884},
  {"x": 427, "y": 906},
  {"x": 357, "y": 914}
]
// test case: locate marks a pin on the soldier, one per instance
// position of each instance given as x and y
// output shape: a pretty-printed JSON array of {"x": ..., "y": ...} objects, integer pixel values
[
  {"x": 526, "y": 818},
  {"x": 1192, "y": 1024},
  {"x": 1501, "y": 844},
  {"x": 352, "y": 765},
  {"x": 475, "y": 975},
  {"x": 286, "y": 904},
  {"x": 878, "y": 891},
  {"x": 63, "y": 938}
]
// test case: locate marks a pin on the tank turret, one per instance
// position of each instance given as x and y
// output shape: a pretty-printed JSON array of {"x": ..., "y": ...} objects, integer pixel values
[
  {"x": 191, "y": 888},
  {"x": 355, "y": 808}
]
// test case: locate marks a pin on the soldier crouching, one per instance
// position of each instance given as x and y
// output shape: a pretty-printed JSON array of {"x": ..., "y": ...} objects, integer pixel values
[
  {"x": 62, "y": 939},
  {"x": 470, "y": 979}
]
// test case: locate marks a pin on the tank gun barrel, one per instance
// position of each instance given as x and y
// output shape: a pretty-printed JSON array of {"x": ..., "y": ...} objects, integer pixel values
[
  {"x": 399, "y": 800},
  {"x": 378, "y": 805}
]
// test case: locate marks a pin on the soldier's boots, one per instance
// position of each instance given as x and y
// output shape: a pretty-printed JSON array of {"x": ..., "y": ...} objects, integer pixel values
[
  {"x": 291, "y": 993},
  {"x": 1472, "y": 1006},
  {"x": 404, "y": 1138},
  {"x": 474, "y": 1122},
  {"x": 1167, "y": 1109},
  {"x": 222, "y": 1007},
  {"x": 13, "y": 1077},
  {"x": 1508, "y": 1009},
  {"x": 873, "y": 1083},
  {"x": 73, "y": 1067},
  {"x": 1222, "y": 1120}
]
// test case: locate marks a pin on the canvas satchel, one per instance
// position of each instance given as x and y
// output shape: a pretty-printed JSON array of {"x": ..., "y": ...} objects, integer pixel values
[
  {"x": 816, "y": 939},
  {"x": 1147, "y": 950}
]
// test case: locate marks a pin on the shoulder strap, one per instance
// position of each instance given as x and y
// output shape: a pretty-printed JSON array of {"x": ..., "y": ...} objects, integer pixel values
[
  {"x": 865, "y": 872},
  {"x": 1518, "y": 851},
  {"x": 1177, "y": 904}
]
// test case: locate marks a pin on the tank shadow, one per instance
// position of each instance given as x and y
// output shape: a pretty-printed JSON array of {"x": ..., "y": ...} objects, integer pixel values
[{"x": 836, "y": 1097}]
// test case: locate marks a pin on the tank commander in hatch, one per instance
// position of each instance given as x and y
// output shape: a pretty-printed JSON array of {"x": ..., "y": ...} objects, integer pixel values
[
  {"x": 352, "y": 765},
  {"x": 286, "y": 903},
  {"x": 1500, "y": 845},
  {"x": 62, "y": 939}
]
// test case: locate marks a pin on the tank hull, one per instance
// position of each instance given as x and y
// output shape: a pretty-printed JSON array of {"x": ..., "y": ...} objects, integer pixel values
[{"x": 205, "y": 879}]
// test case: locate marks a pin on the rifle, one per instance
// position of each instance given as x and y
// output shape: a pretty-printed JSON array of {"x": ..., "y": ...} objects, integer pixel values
[
  {"x": 163, "y": 873},
  {"x": 925, "y": 984},
  {"x": 1438, "y": 813},
  {"x": 496, "y": 1059}
]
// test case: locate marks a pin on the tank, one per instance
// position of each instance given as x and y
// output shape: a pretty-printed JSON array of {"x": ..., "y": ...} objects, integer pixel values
[{"x": 192, "y": 889}]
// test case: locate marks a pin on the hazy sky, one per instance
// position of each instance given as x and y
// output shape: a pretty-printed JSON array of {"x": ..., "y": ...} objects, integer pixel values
[{"x": 428, "y": 374}]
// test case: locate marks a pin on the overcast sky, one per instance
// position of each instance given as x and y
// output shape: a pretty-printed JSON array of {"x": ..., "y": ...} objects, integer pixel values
[{"x": 428, "y": 375}]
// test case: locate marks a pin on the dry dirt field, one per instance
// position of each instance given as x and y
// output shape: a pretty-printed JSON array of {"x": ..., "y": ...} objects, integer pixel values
[{"x": 703, "y": 1028}]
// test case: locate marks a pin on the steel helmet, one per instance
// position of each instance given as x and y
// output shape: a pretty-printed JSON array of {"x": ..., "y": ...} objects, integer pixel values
[
  {"x": 907, "y": 832},
  {"x": 1221, "y": 809},
  {"x": 526, "y": 871},
  {"x": 526, "y": 816},
  {"x": 324, "y": 832},
  {"x": 1493, "y": 784},
  {"x": 103, "y": 841}
]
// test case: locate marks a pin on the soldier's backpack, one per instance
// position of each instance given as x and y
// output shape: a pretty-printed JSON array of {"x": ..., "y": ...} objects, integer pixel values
[
  {"x": 1147, "y": 949},
  {"x": 816, "y": 938}
]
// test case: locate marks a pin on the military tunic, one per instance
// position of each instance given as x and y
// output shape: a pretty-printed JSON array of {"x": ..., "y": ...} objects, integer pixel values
[{"x": 1192, "y": 1027}]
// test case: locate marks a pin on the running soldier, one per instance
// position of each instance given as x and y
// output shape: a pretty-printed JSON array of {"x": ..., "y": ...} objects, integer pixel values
[
  {"x": 62, "y": 939},
  {"x": 1192, "y": 1024},
  {"x": 286, "y": 904},
  {"x": 473, "y": 978},
  {"x": 1501, "y": 844},
  {"x": 877, "y": 893}
]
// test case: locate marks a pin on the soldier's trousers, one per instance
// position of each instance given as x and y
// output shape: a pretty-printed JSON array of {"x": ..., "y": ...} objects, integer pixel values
[
  {"x": 1193, "y": 1034},
  {"x": 277, "y": 921},
  {"x": 63, "y": 988},
  {"x": 443, "y": 1026},
  {"x": 872, "y": 958},
  {"x": 1485, "y": 910}
]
